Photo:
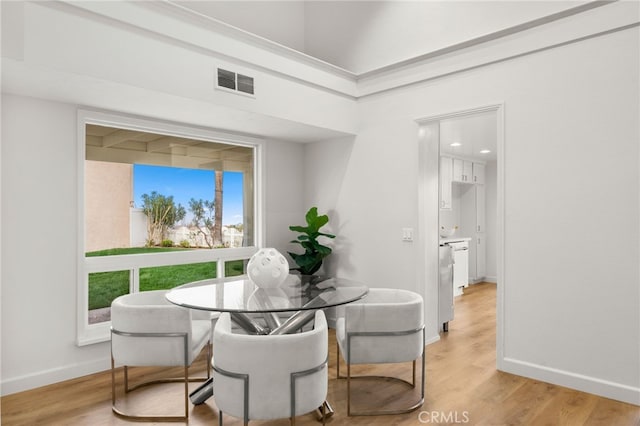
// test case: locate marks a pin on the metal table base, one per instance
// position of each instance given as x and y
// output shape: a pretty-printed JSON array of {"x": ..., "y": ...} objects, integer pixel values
[{"x": 291, "y": 325}]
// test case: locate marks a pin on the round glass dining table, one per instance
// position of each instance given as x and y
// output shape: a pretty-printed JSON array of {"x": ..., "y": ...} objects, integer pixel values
[{"x": 241, "y": 297}]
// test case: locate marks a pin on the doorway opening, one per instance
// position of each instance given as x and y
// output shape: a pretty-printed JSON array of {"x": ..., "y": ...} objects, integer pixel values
[{"x": 461, "y": 209}]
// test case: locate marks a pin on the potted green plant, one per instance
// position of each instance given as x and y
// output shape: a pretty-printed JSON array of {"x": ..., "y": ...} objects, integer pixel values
[{"x": 310, "y": 261}]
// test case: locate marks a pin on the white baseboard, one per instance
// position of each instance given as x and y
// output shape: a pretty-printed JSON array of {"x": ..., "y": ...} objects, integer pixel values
[
  {"x": 431, "y": 339},
  {"x": 604, "y": 388},
  {"x": 484, "y": 280},
  {"x": 48, "y": 377}
]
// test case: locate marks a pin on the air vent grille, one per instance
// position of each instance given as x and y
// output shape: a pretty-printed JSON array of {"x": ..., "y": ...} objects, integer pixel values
[
  {"x": 236, "y": 82},
  {"x": 226, "y": 79},
  {"x": 245, "y": 84}
]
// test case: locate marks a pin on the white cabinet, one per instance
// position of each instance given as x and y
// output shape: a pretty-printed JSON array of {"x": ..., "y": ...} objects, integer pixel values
[
  {"x": 462, "y": 170},
  {"x": 478, "y": 173},
  {"x": 472, "y": 224},
  {"x": 468, "y": 177},
  {"x": 446, "y": 166},
  {"x": 480, "y": 246},
  {"x": 480, "y": 208},
  {"x": 481, "y": 257},
  {"x": 466, "y": 171}
]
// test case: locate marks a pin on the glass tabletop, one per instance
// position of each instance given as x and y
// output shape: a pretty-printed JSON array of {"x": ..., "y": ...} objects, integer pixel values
[{"x": 240, "y": 294}]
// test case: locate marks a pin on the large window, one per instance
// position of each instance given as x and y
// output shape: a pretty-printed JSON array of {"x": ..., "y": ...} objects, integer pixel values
[{"x": 161, "y": 206}]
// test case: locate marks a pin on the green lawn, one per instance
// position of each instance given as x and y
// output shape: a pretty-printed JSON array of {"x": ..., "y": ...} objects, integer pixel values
[
  {"x": 106, "y": 286},
  {"x": 131, "y": 250}
]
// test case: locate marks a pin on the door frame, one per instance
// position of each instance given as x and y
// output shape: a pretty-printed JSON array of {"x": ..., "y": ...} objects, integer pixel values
[{"x": 428, "y": 214}]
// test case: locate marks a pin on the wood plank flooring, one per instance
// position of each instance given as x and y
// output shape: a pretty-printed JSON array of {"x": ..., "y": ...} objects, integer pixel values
[{"x": 462, "y": 387}]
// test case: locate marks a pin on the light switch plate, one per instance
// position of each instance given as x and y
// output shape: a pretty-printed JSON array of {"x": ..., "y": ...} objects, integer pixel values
[{"x": 407, "y": 234}]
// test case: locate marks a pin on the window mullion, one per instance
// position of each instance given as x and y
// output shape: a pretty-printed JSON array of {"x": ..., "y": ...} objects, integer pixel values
[
  {"x": 220, "y": 268},
  {"x": 134, "y": 279}
]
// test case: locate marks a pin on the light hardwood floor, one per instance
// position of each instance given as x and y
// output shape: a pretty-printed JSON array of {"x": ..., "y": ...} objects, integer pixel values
[{"x": 462, "y": 386}]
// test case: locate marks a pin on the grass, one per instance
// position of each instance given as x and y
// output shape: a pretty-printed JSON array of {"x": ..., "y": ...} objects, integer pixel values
[
  {"x": 106, "y": 286},
  {"x": 131, "y": 250}
]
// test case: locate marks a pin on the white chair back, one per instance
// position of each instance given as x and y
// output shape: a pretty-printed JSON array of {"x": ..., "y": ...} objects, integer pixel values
[
  {"x": 383, "y": 310},
  {"x": 387, "y": 326},
  {"x": 148, "y": 330},
  {"x": 150, "y": 312},
  {"x": 270, "y": 364}
]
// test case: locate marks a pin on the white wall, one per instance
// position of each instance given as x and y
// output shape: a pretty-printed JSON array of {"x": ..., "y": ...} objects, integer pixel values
[
  {"x": 571, "y": 158},
  {"x": 325, "y": 165},
  {"x": 491, "y": 236},
  {"x": 135, "y": 58},
  {"x": 369, "y": 184},
  {"x": 284, "y": 190},
  {"x": 39, "y": 253}
]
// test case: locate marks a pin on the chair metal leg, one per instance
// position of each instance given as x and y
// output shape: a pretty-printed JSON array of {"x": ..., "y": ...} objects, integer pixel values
[
  {"x": 338, "y": 363},
  {"x": 412, "y": 384},
  {"x": 186, "y": 392},
  {"x": 122, "y": 414},
  {"x": 113, "y": 383},
  {"x": 209, "y": 357},
  {"x": 185, "y": 379},
  {"x": 338, "y": 360},
  {"x": 126, "y": 379},
  {"x": 325, "y": 410},
  {"x": 348, "y": 389},
  {"x": 413, "y": 377}
]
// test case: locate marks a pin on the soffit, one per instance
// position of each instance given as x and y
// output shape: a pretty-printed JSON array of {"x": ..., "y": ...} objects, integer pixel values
[{"x": 131, "y": 146}]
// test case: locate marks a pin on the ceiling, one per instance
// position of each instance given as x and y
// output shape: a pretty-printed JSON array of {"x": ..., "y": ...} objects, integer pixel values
[
  {"x": 132, "y": 146},
  {"x": 467, "y": 136},
  {"x": 362, "y": 35}
]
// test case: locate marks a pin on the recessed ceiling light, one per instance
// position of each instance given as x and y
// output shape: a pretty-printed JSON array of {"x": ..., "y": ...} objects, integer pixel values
[
  {"x": 484, "y": 151},
  {"x": 455, "y": 144}
]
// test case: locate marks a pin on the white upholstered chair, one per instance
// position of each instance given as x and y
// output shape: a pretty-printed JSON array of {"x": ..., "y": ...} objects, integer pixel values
[
  {"x": 148, "y": 330},
  {"x": 264, "y": 377},
  {"x": 387, "y": 326}
]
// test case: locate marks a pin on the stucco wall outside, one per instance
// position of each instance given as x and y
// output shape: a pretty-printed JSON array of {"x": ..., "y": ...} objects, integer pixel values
[{"x": 107, "y": 202}]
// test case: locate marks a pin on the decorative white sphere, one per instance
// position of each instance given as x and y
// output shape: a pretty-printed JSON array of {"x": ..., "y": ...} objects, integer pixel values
[{"x": 268, "y": 268}]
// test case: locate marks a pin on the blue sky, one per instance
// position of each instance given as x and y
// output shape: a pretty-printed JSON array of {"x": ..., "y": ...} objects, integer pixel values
[{"x": 185, "y": 184}]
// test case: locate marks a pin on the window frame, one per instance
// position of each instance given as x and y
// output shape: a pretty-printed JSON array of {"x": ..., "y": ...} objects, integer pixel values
[{"x": 87, "y": 334}]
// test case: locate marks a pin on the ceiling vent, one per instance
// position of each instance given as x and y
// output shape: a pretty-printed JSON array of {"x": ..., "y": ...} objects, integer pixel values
[{"x": 235, "y": 82}]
